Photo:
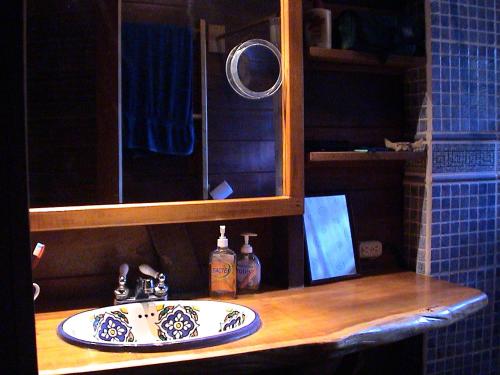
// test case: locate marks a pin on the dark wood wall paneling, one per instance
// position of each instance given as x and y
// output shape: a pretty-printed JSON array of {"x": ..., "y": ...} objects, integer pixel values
[
  {"x": 108, "y": 166},
  {"x": 80, "y": 267},
  {"x": 242, "y": 132},
  {"x": 353, "y": 110},
  {"x": 61, "y": 73},
  {"x": 240, "y": 137},
  {"x": 359, "y": 109}
]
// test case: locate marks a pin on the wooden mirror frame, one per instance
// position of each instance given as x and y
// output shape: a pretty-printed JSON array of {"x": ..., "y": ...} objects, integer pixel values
[{"x": 288, "y": 204}]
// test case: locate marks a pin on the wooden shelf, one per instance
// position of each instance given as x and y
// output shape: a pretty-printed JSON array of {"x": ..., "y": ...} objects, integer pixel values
[
  {"x": 337, "y": 9},
  {"x": 361, "y": 59},
  {"x": 322, "y": 156}
]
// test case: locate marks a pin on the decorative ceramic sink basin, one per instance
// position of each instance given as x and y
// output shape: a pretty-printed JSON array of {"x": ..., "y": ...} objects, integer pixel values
[{"x": 159, "y": 326}]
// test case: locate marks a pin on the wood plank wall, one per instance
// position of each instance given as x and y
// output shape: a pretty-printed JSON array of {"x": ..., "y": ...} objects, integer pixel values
[
  {"x": 61, "y": 91},
  {"x": 80, "y": 267},
  {"x": 241, "y": 132},
  {"x": 353, "y": 110}
]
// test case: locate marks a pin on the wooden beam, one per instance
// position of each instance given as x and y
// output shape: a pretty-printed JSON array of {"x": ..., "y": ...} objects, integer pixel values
[
  {"x": 293, "y": 98},
  {"x": 59, "y": 218}
]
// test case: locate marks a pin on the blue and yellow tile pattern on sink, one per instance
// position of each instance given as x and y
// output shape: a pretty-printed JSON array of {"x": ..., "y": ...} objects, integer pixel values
[
  {"x": 160, "y": 326},
  {"x": 113, "y": 326},
  {"x": 177, "y": 322}
]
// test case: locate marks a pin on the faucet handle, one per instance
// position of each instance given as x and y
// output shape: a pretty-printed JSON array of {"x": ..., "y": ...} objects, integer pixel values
[
  {"x": 148, "y": 270},
  {"x": 121, "y": 293},
  {"x": 124, "y": 270},
  {"x": 161, "y": 288}
]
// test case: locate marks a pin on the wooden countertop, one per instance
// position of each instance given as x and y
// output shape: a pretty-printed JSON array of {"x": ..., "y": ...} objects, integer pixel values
[{"x": 338, "y": 317}]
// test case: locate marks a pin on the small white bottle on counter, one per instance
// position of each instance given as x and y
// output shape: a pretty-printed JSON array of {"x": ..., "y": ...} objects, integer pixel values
[{"x": 248, "y": 267}]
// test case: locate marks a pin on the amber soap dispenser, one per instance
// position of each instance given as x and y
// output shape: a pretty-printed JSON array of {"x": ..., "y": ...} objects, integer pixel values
[{"x": 222, "y": 270}]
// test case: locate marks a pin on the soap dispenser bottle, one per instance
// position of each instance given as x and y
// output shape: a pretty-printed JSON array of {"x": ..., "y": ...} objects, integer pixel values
[
  {"x": 222, "y": 269},
  {"x": 248, "y": 266}
]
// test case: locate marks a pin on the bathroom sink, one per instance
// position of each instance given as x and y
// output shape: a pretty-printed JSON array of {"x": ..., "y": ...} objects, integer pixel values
[{"x": 160, "y": 326}]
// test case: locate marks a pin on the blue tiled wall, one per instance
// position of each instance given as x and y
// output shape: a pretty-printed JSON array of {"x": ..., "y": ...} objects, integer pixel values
[
  {"x": 465, "y": 248},
  {"x": 464, "y": 59}
]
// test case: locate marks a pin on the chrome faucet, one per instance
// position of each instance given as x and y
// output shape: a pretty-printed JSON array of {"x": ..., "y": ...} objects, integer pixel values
[{"x": 152, "y": 288}]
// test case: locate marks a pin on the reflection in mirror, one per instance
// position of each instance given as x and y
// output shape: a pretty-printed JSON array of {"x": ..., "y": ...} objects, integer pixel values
[{"x": 140, "y": 110}]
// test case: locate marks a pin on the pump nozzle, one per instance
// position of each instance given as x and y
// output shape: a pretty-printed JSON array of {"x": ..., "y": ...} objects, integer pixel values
[
  {"x": 222, "y": 242},
  {"x": 246, "y": 248}
]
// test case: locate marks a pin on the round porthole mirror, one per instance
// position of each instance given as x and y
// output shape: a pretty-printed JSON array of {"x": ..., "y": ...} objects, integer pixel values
[{"x": 253, "y": 69}]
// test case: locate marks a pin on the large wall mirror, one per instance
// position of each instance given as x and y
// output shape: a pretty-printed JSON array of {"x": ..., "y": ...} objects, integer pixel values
[{"x": 158, "y": 111}]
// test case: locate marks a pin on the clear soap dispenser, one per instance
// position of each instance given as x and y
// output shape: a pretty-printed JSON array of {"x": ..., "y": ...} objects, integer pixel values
[
  {"x": 248, "y": 266},
  {"x": 222, "y": 269}
]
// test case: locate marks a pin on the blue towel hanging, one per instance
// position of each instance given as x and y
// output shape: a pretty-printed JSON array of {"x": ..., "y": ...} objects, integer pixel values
[{"x": 157, "y": 88}]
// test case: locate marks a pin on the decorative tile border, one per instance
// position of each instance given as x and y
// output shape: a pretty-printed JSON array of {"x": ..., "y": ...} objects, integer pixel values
[
  {"x": 464, "y": 137},
  {"x": 463, "y": 158}
]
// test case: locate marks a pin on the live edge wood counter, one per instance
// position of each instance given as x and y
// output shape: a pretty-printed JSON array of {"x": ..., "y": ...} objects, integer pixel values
[{"x": 329, "y": 319}]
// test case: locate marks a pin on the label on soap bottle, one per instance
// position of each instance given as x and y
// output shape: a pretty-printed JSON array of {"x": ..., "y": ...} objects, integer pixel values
[
  {"x": 248, "y": 275},
  {"x": 222, "y": 274}
]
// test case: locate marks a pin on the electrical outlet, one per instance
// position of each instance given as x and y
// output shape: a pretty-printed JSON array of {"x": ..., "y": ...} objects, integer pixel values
[{"x": 370, "y": 249}]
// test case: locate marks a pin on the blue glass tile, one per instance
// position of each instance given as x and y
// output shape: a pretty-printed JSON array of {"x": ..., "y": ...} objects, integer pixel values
[
  {"x": 434, "y": 267},
  {"x": 445, "y": 266},
  {"x": 436, "y": 229},
  {"x": 435, "y": 242},
  {"x": 445, "y": 203},
  {"x": 445, "y": 253},
  {"x": 445, "y": 229},
  {"x": 445, "y": 241}
]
